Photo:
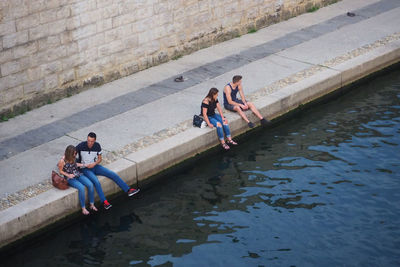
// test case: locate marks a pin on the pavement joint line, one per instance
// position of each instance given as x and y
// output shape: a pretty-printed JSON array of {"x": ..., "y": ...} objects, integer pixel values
[
  {"x": 73, "y": 137},
  {"x": 297, "y": 60},
  {"x": 294, "y": 37},
  {"x": 308, "y": 63}
]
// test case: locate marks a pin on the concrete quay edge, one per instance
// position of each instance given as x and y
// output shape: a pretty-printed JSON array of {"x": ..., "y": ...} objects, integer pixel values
[{"x": 28, "y": 217}]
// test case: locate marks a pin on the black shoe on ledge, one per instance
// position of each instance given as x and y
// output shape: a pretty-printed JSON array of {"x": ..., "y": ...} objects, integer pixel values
[
  {"x": 251, "y": 125},
  {"x": 265, "y": 122}
]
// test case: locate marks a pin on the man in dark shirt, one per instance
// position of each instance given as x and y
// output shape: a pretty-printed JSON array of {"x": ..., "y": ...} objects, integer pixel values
[
  {"x": 232, "y": 103},
  {"x": 89, "y": 154}
]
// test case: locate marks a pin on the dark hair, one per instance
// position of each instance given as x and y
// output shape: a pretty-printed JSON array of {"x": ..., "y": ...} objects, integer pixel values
[
  {"x": 213, "y": 91},
  {"x": 92, "y": 135},
  {"x": 69, "y": 155},
  {"x": 236, "y": 78}
]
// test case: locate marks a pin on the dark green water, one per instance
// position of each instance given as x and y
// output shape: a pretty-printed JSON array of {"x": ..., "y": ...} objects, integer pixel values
[{"x": 319, "y": 189}]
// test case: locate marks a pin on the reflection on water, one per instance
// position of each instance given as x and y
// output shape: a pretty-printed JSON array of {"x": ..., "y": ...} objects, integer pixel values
[{"x": 320, "y": 189}]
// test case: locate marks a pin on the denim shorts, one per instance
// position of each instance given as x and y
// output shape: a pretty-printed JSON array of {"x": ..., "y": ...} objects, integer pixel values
[{"x": 230, "y": 107}]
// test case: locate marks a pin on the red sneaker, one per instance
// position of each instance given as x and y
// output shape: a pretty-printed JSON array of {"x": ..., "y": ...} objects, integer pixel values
[
  {"x": 107, "y": 205},
  {"x": 133, "y": 191}
]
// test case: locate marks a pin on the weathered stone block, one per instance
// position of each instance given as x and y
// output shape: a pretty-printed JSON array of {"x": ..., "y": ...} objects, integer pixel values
[
  {"x": 50, "y": 68},
  {"x": 66, "y": 37},
  {"x": 11, "y": 95},
  {"x": 58, "y": 26},
  {"x": 168, "y": 42},
  {"x": 66, "y": 77},
  {"x": 56, "y": 53},
  {"x": 153, "y": 47},
  {"x": 73, "y": 61},
  {"x": 126, "y": 30},
  {"x": 90, "y": 42},
  {"x": 164, "y": 18},
  {"x": 14, "y": 39},
  {"x": 90, "y": 17},
  {"x": 113, "y": 34},
  {"x": 53, "y": 3},
  {"x": 203, "y": 6},
  {"x": 49, "y": 42},
  {"x": 104, "y": 25},
  {"x": 72, "y": 23},
  {"x": 104, "y": 50},
  {"x": 161, "y": 7},
  {"x": 123, "y": 19},
  {"x": 84, "y": 31},
  {"x": 179, "y": 15},
  {"x": 145, "y": 12},
  {"x": 47, "y": 16},
  {"x": 104, "y": 3},
  {"x": 15, "y": 79},
  {"x": 139, "y": 52},
  {"x": 3, "y": 85},
  {"x": 91, "y": 54},
  {"x": 71, "y": 48},
  {"x": 115, "y": 46},
  {"x": 131, "y": 42},
  {"x": 145, "y": 37},
  {"x": 34, "y": 73},
  {"x": 63, "y": 12},
  {"x": 82, "y": 7},
  {"x": 7, "y": 27},
  {"x": 38, "y": 32},
  {"x": 34, "y": 87},
  {"x": 162, "y": 31},
  {"x": 142, "y": 25},
  {"x": 16, "y": 11},
  {"x": 10, "y": 67},
  {"x": 51, "y": 82},
  {"x": 36, "y": 6},
  {"x": 38, "y": 59},
  {"x": 84, "y": 70},
  {"x": 110, "y": 11},
  {"x": 128, "y": 6},
  {"x": 218, "y": 12},
  {"x": 201, "y": 19},
  {"x": 129, "y": 68},
  {"x": 25, "y": 50},
  {"x": 252, "y": 13},
  {"x": 28, "y": 22}
]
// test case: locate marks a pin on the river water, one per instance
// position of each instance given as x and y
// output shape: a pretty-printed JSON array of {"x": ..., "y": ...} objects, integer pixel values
[{"x": 318, "y": 189}]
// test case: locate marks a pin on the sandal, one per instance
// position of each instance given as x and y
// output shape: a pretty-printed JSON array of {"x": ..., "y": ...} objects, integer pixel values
[
  {"x": 225, "y": 146},
  {"x": 231, "y": 142},
  {"x": 93, "y": 207},
  {"x": 85, "y": 211}
]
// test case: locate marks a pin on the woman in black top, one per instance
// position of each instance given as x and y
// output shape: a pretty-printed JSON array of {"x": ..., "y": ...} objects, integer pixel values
[{"x": 208, "y": 106}]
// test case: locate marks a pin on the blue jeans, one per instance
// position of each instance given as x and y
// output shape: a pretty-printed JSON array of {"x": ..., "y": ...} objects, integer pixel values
[
  {"x": 103, "y": 171},
  {"x": 214, "y": 120},
  {"x": 80, "y": 183}
]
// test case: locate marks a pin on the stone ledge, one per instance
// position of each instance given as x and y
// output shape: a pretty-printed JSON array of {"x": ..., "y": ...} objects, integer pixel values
[
  {"x": 26, "y": 217},
  {"x": 53, "y": 205}
]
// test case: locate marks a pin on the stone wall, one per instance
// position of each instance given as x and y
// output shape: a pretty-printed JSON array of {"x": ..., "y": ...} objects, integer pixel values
[{"x": 50, "y": 49}]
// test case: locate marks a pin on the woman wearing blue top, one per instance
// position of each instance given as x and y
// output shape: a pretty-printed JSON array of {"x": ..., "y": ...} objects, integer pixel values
[{"x": 208, "y": 106}]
